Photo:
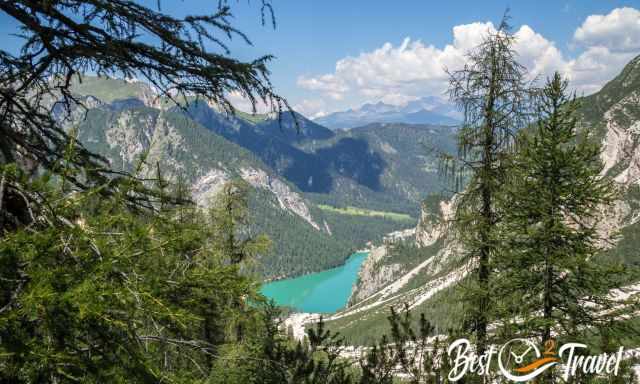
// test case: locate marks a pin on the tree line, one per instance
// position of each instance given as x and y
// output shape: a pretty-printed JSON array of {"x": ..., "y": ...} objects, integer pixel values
[{"x": 111, "y": 277}]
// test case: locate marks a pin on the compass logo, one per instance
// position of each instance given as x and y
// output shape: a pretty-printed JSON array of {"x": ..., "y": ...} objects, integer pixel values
[{"x": 520, "y": 360}]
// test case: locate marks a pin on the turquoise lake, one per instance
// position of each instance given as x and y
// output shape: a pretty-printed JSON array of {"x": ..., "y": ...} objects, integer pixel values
[{"x": 323, "y": 292}]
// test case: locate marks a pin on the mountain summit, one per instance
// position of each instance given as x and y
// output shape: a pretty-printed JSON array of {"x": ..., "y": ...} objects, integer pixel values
[{"x": 426, "y": 110}]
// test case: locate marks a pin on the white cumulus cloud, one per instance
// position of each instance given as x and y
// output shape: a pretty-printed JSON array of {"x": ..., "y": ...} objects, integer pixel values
[
  {"x": 312, "y": 109},
  {"x": 618, "y": 31},
  {"x": 593, "y": 68},
  {"x": 397, "y": 74},
  {"x": 539, "y": 55}
]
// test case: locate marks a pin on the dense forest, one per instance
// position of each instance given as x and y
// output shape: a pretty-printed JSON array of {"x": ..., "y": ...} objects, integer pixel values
[
  {"x": 348, "y": 234},
  {"x": 113, "y": 276}
]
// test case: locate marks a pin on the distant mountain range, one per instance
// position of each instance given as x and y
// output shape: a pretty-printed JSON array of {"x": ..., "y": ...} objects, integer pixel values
[
  {"x": 299, "y": 175},
  {"x": 426, "y": 110},
  {"x": 423, "y": 273},
  {"x": 381, "y": 166}
]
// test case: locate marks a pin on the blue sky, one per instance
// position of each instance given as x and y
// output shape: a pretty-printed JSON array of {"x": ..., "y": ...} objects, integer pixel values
[{"x": 311, "y": 37}]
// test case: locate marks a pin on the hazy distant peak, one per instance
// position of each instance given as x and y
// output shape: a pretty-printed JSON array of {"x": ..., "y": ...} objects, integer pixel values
[{"x": 425, "y": 110}]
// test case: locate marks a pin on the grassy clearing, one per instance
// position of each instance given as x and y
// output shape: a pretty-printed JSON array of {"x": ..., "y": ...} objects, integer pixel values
[
  {"x": 108, "y": 89},
  {"x": 353, "y": 211},
  {"x": 251, "y": 117}
]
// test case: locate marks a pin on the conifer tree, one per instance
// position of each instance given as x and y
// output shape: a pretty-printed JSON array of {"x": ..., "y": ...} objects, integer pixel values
[
  {"x": 180, "y": 57},
  {"x": 230, "y": 216},
  {"x": 271, "y": 357},
  {"x": 101, "y": 278},
  {"x": 492, "y": 92},
  {"x": 412, "y": 351},
  {"x": 91, "y": 292},
  {"x": 553, "y": 283}
]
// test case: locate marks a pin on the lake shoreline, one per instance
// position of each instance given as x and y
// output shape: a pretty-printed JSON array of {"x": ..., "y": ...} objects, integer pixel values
[
  {"x": 326, "y": 291},
  {"x": 285, "y": 277}
]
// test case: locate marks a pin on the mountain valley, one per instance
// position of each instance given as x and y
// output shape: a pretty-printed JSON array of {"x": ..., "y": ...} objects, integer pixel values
[
  {"x": 310, "y": 184},
  {"x": 374, "y": 186}
]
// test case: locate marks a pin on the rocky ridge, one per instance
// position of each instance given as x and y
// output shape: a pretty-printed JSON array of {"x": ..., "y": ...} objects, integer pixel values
[
  {"x": 611, "y": 116},
  {"x": 136, "y": 137}
]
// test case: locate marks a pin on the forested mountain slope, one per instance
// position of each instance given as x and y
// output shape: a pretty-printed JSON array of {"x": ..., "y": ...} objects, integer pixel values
[
  {"x": 423, "y": 270},
  {"x": 139, "y": 128},
  {"x": 408, "y": 157},
  {"x": 388, "y": 167}
]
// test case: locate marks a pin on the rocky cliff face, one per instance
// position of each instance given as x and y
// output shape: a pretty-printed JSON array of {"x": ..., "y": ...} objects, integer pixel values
[
  {"x": 374, "y": 275},
  {"x": 132, "y": 134},
  {"x": 382, "y": 267},
  {"x": 287, "y": 198},
  {"x": 387, "y": 272},
  {"x": 138, "y": 135},
  {"x": 432, "y": 224},
  {"x": 205, "y": 188},
  {"x": 612, "y": 116},
  {"x": 620, "y": 145}
]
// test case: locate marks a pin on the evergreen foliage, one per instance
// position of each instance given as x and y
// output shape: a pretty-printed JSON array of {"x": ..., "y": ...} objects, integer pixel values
[
  {"x": 552, "y": 206},
  {"x": 94, "y": 292},
  {"x": 107, "y": 38},
  {"x": 272, "y": 357},
  {"x": 492, "y": 92},
  {"x": 412, "y": 352}
]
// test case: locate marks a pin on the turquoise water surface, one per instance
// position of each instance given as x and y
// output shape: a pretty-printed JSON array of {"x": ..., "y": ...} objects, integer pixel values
[{"x": 323, "y": 292}]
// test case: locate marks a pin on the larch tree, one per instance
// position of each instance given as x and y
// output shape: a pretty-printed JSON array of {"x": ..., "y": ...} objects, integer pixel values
[
  {"x": 230, "y": 216},
  {"x": 492, "y": 92}
]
